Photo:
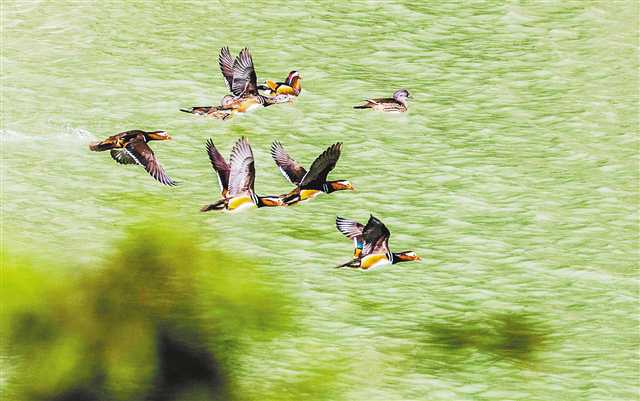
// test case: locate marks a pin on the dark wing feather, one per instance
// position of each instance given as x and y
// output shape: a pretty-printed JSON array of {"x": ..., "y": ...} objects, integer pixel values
[
  {"x": 121, "y": 156},
  {"x": 370, "y": 103},
  {"x": 383, "y": 100},
  {"x": 245, "y": 81},
  {"x": 242, "y": 174},
  {"x": 376, "y": 237},
  {"x": 226, "y": 66},
  {"x": 352, "y": 230},
  {"x": 143, "y": 155},
  {"x": 349, "y": 228},
  {"x": 321, "y": 167},
  {"x": 291, "y": 169},
  {"x": 219, "y": 165}
]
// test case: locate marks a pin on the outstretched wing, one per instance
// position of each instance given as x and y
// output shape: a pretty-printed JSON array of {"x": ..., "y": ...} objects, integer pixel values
[
  {"x": 349, "y": 228},
  {"x": 139, "y": 151},
  {"x": 352, "y": 230},
  {"x": 291, "y": 169},
  {"x": 226, "y": 66},
  {"x": 321, "y": 167},
  {"x": 245, "y": 81},
  {"x": 121, "y": 156},
  {"x": 242, "y": 174},
  {"x": 219, "y": 165},
  {"x": 375, "y": 237}
]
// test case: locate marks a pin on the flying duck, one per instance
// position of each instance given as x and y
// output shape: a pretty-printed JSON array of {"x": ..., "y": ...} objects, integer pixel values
[
  {"x": 240, "y": 77},
  {"x": 353, "y": 231},
  {"x": 312, "y": 183},
  {"x": 236, "y": 179},
  {"x": 291, "y": 86},
  {"x": 130, "y": 147},
  {"x": 371, "y": 244},
  {"x": 397, "y": 103}
]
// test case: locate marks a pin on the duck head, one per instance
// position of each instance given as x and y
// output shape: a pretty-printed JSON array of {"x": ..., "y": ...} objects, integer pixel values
[
  {"x": 293, "y": 75},
  {"x": 405, "y": 256},
  {"x": 158, "y": 136},
  {"x": 294, "y": 80},
  {"x": 401, "y": 95},
  {"x": 339, "y": 185}
]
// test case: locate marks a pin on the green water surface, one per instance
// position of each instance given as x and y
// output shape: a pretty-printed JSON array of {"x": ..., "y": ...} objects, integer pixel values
[{"x": 514, "y": 174}]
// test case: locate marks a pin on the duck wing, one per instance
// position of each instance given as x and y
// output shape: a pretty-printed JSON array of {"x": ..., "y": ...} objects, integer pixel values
[
  {"x": 139, "y": 151},
  {"x": 122, "y": 157},
  {"x": 352, "y": 230},
  {"x": 220, "y": 166},
  {"x": 242, "y": 173},
  {"x": 225, "y": 61},
  {"x": 245, "y": 81},
  {"x": 376, "y": 237},
  {"x": 321, "y": 166},
  {"x": 290, "y": 168},
  {"x": 349, "y": 228},
  {"x": 382, "y": 100}
]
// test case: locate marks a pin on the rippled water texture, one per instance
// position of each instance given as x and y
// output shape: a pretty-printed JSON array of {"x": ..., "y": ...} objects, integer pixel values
[{"x": 514, "y": 174}]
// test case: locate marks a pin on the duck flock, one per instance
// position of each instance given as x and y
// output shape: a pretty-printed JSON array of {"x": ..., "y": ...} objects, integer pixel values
[{"x": 237, "y": 175}]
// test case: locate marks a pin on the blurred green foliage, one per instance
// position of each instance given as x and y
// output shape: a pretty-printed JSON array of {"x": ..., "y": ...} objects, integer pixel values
[{"x": 159, "y": 320}]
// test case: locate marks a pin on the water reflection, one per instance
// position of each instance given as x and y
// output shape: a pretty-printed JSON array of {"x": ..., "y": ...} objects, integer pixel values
[{"x": 515, "y": 337}]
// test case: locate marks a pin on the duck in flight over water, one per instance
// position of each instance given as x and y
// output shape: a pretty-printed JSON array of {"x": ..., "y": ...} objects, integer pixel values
[
  {"x": 131, "y": 147},
  {"x": 312, "y": 183},
  {"x": 236, "y": 179},
  {"x": 240, "y": 77},
  {"x": 371, "y": 244}
]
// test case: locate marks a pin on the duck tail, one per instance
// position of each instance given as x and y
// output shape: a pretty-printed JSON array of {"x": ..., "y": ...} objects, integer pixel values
[
  {"x": 362, "y": 106},
  {"x": 291, "y": 199},
  {"x": 351, "y": 263},
  {"x": 219, "y": 205},
  {"x": 187, "y": 111},
  {"x": 100, "y": 146}
]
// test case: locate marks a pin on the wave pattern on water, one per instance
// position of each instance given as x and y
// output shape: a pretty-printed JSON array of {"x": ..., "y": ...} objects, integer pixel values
[{"x": 514, "y": 174}]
